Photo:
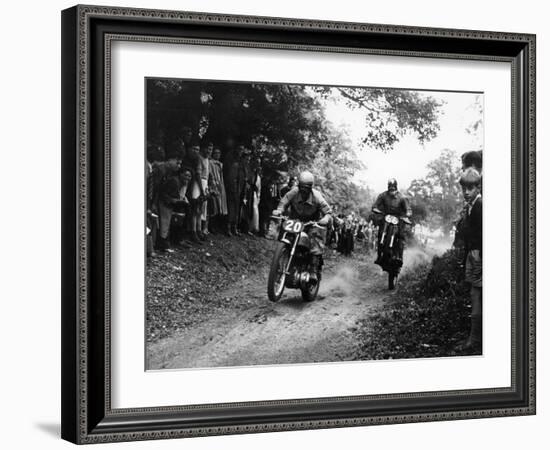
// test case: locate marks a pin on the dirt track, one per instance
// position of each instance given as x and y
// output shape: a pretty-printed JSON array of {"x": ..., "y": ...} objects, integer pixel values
[{"x": 290, "y": 331}]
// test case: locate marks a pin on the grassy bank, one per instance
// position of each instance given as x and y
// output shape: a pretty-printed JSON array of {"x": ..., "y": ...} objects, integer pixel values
[
  {"x": 186, "y": 286},
  {"x": 427, "y": 317}
]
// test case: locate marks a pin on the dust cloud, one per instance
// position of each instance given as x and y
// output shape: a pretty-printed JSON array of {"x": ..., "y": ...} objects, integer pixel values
[
  {"x": 415, "y": 256},
  {"x": 341, "y": 281}
]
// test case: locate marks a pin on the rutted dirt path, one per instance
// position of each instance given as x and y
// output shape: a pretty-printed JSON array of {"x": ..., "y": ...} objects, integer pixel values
[{"x": 290, "y": 331}]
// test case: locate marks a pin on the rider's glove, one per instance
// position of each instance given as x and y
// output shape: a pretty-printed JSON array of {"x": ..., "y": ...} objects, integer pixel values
[{"x": 276, "y": 212}]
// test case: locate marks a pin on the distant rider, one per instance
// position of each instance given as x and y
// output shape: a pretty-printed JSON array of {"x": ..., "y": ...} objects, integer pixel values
[
  {"x": 394, "y": 203},
  {"x": 308, "y": 204}
]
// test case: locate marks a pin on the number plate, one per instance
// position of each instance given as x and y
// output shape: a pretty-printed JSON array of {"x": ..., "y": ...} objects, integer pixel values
[{"x": 293, "y": 226}]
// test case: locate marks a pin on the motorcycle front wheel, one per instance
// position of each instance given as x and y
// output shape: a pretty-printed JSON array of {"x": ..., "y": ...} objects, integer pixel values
[{"x": 277, "y": 275}]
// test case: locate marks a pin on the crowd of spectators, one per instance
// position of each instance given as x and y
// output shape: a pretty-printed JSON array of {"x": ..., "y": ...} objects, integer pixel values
[
  {"x": 192, "y": 192},
  {"x": 348, "y": 229},
  {"x": 195, "y": 189}
]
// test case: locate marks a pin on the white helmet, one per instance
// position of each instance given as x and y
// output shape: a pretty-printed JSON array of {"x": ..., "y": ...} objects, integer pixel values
[{"x": 306, "y": 178}]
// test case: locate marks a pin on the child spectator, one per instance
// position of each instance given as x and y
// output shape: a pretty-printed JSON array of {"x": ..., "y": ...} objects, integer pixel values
[{"x": 472, "y": 236}]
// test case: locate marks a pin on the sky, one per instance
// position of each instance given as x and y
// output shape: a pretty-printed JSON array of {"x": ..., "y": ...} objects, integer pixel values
[{"x": 408, "y": 159}]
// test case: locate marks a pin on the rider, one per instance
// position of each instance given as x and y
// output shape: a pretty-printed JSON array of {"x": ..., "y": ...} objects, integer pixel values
[
  {"x": 307, "y": 204},
  {"x": 394, "y": 203}
]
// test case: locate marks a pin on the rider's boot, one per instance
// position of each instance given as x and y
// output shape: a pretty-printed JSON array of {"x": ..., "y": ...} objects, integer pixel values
[
  {"x": 400, "y": 253},
  {"x": 378, "y": 257}
]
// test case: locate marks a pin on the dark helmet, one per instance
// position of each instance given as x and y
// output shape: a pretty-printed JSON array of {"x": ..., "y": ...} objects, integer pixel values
[{"x": 392, "y": 184}]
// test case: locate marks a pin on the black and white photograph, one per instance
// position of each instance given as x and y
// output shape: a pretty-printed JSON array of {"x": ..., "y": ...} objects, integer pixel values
[{"x": 298, "y": 224}]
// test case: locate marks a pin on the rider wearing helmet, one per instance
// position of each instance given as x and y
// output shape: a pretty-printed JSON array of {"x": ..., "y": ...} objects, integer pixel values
[
  {"x": 306, "y": 204},
  {"x": 394, "y": 203}
]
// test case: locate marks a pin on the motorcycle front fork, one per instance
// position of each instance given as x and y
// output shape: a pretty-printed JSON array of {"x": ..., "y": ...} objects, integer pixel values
[{"x": 291, "y": 257}]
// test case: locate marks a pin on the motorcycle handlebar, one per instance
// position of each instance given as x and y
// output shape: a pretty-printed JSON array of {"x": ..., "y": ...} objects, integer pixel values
[
  {"x": 402, "y": 219},
  {"x": 306, "y": 224}
]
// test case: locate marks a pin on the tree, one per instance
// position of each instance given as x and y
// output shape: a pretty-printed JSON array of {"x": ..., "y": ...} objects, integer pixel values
[
  {"x": 439, "y": 193},
  {"x": 391, "y": 113},
  {"x": 286, "y": 125},
  {"x": 475, "y": 128}
]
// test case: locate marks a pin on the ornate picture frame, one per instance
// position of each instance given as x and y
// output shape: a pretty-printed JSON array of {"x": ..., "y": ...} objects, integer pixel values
[{"x": 87, "y": 36}]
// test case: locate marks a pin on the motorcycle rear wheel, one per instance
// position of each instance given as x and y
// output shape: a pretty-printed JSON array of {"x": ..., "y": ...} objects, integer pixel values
[
  {"x": 277, "y": 275},
  {"x": 309, "y": 293},
  {"x": 392, "y": 280}
]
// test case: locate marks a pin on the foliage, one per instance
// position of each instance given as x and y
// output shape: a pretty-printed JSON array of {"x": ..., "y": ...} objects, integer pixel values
[
  {"x": 391, "y": 114},
  {"x": 438, "y": 197},
  {"x": 428, "y": 319},
  {"x": 286, "y": 126},
  {"x": 475, "y": 128}
]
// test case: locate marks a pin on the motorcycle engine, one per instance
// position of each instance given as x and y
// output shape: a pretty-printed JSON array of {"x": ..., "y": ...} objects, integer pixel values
[{"x": 298, "y": 279}]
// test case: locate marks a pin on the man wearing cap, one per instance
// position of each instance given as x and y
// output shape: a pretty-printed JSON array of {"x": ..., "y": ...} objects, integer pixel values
[
  {"x": 394, "y": 203},
  {"x": 470, "y": 181},
  {"x": 308, "y": 204}
]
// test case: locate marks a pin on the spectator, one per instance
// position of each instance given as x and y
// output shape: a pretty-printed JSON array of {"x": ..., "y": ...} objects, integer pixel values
[
  {"x": 292, "y": 181},
  {"x": 230, "y": 156},
  {"x": 204, "y": 164},
  {"x": 232, "y": 190},
  {"x": 472, "y": 159},
  {"x": 243, "y": 185},
  {"x": 472, "y": 235},
  {"x": 269, "y": 199},
  {"x": 182, "y": 209},
  {"x": 193, "y": 164},
  {"x": 186, "y": 138},
  {"x": 169, "y": 192},
  {"x": 237, "y": 190},
  {"x": 254, "y": 196},
  {"x": 218, "y": 199},
  {"x": 155, "y": 155}
]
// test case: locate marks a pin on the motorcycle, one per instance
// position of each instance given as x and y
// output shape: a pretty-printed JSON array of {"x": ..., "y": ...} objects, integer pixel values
[
  {"x": 389, "y": 244},
  {"x": 291, "y": 264}
]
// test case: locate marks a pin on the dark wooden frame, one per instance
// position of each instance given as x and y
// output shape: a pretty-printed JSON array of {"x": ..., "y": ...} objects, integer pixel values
[{"x": 87, "y": 416}]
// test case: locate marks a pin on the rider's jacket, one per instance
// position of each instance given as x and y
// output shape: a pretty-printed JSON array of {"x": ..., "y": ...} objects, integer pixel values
[
  {"x": 312, "y": 208},
  {"x": 396, "y": 206}
]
